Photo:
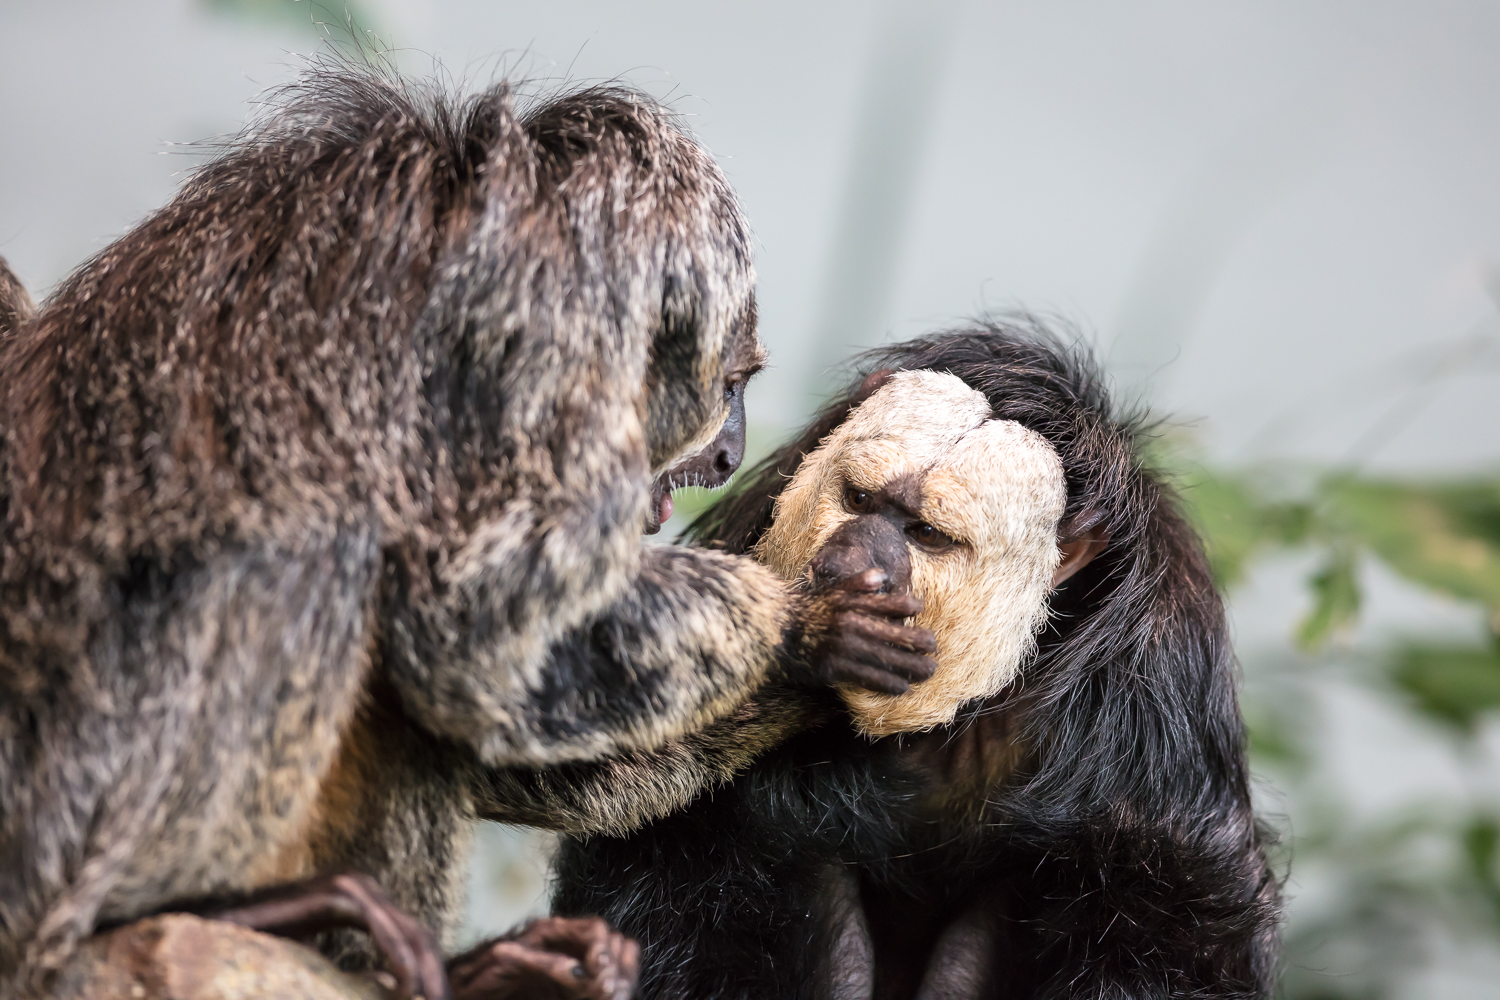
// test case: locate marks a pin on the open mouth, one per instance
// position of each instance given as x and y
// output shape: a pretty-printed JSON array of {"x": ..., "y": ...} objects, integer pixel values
[
  {"x": 661, "y": 504},
  {"x": 676, "y": 479}
]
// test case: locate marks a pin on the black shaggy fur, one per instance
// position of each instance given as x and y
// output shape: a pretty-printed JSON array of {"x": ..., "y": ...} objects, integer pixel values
[{"x": 1118, "y": 858}]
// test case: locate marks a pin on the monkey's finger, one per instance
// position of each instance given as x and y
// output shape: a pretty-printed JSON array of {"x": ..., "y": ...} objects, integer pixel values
[
  {"x": 846, "y": 671},
  {"x": 577, "y": 936},
  {"x": 612, "y": 964},
  {"x": 885, "y": 605},
  {"x": 431, "y": 973},
  {"x": 912, "y": 667},
  {"x": 378, "y": 921},
  {"x": 603, "y": 948},
  {"x": 869, "y": 581},
  {"x": 920, "y": 640},
  {"x": 603, "y": 951},
  {"x": 432, "y": 977},
  {"x": 510, "y": 969},
  {"x": 410, "y": 949},
  {"x": 630, "y": 970}
]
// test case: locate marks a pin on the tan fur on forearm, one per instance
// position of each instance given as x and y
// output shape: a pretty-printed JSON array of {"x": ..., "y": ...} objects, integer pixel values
[{"x": 622, "y": 793}]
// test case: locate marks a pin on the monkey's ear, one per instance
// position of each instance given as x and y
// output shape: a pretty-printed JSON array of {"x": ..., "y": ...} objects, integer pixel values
[
  {"x": 1080, "y": 539},
  {"x": 872, "y": 382}
]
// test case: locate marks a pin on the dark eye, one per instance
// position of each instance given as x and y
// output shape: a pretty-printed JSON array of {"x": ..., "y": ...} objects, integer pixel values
[
  {"x": 733, "y": 386},
  {"x": 856, "y": 500},
  {"x": 929, "y": 537}
]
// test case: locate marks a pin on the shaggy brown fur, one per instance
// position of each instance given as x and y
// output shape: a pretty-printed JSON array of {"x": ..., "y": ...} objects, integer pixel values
[
  {"x": 15, "y": 304},
  {"x": 321, "y": 495}
]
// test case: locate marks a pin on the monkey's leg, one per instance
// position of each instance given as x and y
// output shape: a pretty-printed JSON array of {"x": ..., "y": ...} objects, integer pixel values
[
  {"x": 554, "y": 958},
  {"x": 302, "y": 909},
  {"x": 846, "y": 963},
  {"x": 963, "y": 962}
]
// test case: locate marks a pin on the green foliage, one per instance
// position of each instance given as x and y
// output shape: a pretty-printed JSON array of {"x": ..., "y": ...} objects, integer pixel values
[
  {"x": 1335, "y": 591},
  {"x": 1455, "y": 684},
  {"x": 1441, "y": 536},
  {"x": 1238, "y": 523},
  {"x": 339, "y": 21},
  {"x": 1386, "y": 881},
  {"x": 1482, "y": 845}
]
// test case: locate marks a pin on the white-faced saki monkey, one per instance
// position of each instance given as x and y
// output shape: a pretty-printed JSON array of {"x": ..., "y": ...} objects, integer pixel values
[{"x": 1063, "y": 810}]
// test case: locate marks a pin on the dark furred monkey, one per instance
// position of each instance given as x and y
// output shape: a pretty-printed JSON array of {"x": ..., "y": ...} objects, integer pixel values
[
  {"x": 321, "y": 494},
  {"x": 1081, "y": 828}
]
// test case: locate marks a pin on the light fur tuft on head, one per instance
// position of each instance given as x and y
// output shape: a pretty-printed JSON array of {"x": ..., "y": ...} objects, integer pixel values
[{"x": 994, "y": 485}]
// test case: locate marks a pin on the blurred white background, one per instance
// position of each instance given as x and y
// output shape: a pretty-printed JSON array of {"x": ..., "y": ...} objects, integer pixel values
[{"x": 1279, "y": 222}]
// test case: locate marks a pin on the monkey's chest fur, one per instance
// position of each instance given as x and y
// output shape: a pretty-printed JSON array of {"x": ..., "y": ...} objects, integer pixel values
[{"x": 836, "y": 867}]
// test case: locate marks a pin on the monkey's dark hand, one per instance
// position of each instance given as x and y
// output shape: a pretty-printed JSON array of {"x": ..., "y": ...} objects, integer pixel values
[
  {"x": 554, "y": 958},
  {"x": 852, "y": 633},
  {"x": 351, "y": 900}
]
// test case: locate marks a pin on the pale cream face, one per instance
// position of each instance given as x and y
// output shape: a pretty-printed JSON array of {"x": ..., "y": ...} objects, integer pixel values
[{"x": 993, "y": 485}]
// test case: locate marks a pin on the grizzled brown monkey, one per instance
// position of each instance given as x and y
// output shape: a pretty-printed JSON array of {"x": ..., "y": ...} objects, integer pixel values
[
  {"x": 321, "y": 494},
  {"x": 1062, "y": 810}
]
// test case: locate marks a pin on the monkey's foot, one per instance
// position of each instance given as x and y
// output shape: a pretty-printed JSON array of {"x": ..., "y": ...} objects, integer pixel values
[
  {"x": 351, "y": 900},
  {"x": 554, "y": 958}
]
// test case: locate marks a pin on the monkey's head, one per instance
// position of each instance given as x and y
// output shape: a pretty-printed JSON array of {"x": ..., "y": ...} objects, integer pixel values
[
  {"x": 958, "y": 508},
  {"x": 709, "y": 465},
  {"x": 602, "y": 265},
  {"x": 1130, "y": 695},
  {"x": 672, "y": 239}
]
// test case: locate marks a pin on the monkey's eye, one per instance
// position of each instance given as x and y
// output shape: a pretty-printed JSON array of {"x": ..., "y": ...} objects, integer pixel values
[
  {"x": 856, "y": 500},
  {"x": 929, "y": 537}
]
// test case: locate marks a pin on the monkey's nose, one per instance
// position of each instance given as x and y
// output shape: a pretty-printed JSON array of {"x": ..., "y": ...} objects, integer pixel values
[
  {"x": 860, "y": 544},
  {"x": 834, "y": 564}
]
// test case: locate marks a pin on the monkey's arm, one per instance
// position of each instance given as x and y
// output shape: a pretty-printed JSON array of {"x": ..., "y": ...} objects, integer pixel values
[
  {"x": 620, "y": 794},
  {"x": 684, "y": 643},
  {"x": 688, "y": 636},
  {"x": 1141, "y": 909}
]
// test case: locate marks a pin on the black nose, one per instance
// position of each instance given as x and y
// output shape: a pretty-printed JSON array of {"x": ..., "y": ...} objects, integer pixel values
[
  {"x": 836, "y": 561},
  {"x": 861, "y": 544},
  {"x": 725, "y": 463}
]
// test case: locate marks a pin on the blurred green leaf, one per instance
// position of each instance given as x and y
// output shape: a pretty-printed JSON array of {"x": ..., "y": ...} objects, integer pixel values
[
  {"x": 338, "y": 20},
  {"x": 1236, "y": 524},
  {"x": 1393, "y": 880},
  {"x": 1229, "y": 521},
  {"x": 1455, "y": 684},
  {"x": 1481, "y": 844},
  {"x": 1273, "y": 739},
  {"x": 1335, "y": 590},
  {"x": 1446, "y": 537}
]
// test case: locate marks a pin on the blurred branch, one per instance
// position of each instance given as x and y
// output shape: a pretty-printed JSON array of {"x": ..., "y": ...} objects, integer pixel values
[{"x": 340, "y": 22}]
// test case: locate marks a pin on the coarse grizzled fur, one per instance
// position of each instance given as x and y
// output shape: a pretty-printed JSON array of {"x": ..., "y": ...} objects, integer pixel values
[
  {"x": 15, "y": 304},
  {"x": 1095, "y": 816},
  {"x": 321, "y": 493}
]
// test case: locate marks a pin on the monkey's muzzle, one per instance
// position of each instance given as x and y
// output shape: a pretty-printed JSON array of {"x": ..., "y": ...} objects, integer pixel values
[{"x": 861, "y": 544}]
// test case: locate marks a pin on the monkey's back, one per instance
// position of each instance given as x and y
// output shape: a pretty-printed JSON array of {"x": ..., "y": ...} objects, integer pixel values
[{"x": 210, "y": 431}]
